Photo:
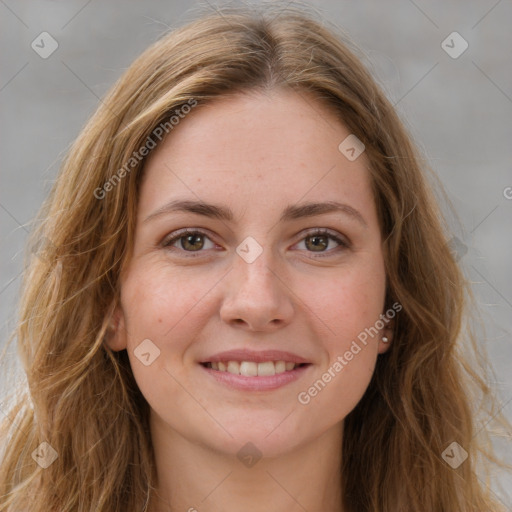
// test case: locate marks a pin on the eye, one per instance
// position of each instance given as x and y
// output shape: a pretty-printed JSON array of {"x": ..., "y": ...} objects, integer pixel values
[
  {"x": 318, "y": 241},
  {"x": 188, "y": 240},
  {"x": 192, "y": 241}
]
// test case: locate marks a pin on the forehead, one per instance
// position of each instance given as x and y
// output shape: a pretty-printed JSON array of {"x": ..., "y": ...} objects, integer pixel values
[{"x": 275, "y": 148}]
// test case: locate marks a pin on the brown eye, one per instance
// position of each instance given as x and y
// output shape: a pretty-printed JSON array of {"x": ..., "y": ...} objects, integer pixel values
[
  {"x": 188, "y": 241},
  {"x": 192, "y": 242},
  {"x": 317, "y": 242}
]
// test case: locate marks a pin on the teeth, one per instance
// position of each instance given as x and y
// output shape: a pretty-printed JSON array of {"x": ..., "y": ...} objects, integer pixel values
[
  {"x": 249, "y": 369},
  {"x": 234, "y": 367},
  {"x": 280, "y": 366},
  {"x": 253, "y": 369},
  {"x": 267, "y": 368}
]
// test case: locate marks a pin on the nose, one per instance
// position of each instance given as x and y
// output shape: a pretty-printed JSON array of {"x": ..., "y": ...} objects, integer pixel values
[{"x": 257, "y": 298}]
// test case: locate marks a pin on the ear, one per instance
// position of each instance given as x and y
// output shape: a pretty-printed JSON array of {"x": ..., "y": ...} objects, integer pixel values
[
  {"x": 115, "y": 338},
  {"x": 387, "y": 333}
]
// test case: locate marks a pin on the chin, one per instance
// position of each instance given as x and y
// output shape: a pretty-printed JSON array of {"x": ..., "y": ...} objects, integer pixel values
[{"x": 270, "y": 437}]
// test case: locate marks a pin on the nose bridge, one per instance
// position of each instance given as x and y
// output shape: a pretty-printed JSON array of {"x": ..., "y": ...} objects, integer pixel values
[
  {"x": 256, "y": 293},
  {"x": 254, "y": 268}
]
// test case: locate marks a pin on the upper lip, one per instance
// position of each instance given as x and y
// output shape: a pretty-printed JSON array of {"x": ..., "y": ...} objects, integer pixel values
[{"x": 255, "y": 356}]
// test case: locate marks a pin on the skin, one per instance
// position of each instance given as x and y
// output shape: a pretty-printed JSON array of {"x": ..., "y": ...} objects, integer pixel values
[{"x": 254, "y": 153}]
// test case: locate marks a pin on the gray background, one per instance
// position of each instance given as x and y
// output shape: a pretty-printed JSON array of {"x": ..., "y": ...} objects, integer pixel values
[{"x": 459, "y": 111}]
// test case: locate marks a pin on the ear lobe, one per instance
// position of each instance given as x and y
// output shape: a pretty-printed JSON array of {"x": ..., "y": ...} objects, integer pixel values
[{"x": 115, "y": 337}]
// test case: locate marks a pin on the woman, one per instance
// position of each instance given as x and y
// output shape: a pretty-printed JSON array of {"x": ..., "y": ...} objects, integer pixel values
[{"x": 244, "y": 297}]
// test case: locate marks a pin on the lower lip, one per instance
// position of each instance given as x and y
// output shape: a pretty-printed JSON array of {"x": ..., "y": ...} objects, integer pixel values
[{"x": 268, "y": 383}]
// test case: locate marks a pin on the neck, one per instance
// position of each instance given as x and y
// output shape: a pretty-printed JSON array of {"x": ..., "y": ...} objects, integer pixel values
[{"x": 195, "y": 478}]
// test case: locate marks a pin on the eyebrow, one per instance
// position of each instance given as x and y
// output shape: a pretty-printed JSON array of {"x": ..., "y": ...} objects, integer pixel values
[{"x": 291, "y": 212}]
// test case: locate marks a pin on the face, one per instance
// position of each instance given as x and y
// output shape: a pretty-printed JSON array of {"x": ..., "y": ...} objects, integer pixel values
[{"x": 289, "y": 291}]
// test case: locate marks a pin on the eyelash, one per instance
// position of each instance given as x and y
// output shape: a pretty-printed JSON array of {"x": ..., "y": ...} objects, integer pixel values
[{"x": 167, "y": 243}]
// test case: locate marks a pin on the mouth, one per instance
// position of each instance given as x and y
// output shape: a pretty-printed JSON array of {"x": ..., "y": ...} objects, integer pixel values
[
  {"x": 253, "y": 376},
  {"x": 254, "y": 369}
]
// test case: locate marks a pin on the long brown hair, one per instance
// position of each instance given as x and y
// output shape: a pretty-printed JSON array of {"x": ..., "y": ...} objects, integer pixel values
[{"x": 82, "y": 399}]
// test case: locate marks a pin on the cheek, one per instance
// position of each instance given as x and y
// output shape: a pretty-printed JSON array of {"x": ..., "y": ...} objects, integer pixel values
[
  {"x": 348, "y": 303},
  {"x": 351, "y": 348},
  {"x": 163, "y": 307},
  {"x": 348, "y": 307},
  {"x": 160, "y": 302},
  {"x": 336, "y": 390}
]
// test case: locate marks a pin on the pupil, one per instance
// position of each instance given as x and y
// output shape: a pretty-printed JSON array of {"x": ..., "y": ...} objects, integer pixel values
[
  {"x": 193, "y": 239},
  {"x": 315, "y": 240}
]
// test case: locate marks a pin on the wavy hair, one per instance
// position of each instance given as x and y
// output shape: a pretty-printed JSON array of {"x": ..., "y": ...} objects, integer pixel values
[{"x": 82, "y": 399}]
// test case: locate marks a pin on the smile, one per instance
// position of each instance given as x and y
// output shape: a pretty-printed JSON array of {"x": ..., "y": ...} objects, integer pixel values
[
  {"x": 253, "y": 369},
  {"x": 252, "y": 376}
]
